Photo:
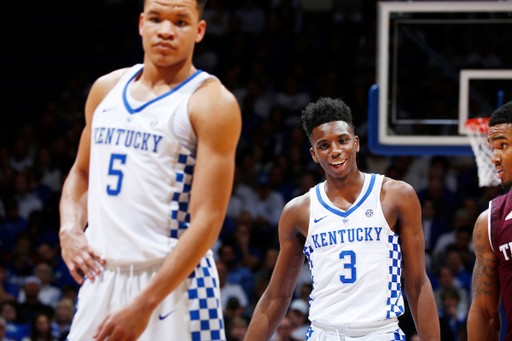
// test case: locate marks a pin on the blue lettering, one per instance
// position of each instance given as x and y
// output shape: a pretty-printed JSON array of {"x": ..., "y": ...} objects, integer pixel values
[
  {"x": 110, "y": 133},
  {"x": 145, "y": 139},
  {"x": 135, "y": 144},
  {"x": 332, "y": 238},
  {"x": 351, "y": 239},
  {"x": 96, "y": 135},
  {"x": 119, "y": 131},
  {"x": 378, "y": 230},
  {"x": 157, "y": 140},
  {"x": 359, "y": 238},
  {"x": 323, "y": 235},
  {"x": 101, "y": 135},
  {"x": 126, "y": 143},
  {"x": 341, "y": 235},
  {"x": 367, "y": 231},
  {"x": 315, "y": 241}
]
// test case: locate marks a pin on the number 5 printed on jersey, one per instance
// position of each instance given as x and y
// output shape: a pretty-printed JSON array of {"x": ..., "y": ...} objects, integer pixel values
[
  {"x": 116, "y": 172},
  {"x": 350, "y": 265}
]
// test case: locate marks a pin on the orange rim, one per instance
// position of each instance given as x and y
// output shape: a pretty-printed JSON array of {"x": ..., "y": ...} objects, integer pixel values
[{"x": 478, "y": 124}]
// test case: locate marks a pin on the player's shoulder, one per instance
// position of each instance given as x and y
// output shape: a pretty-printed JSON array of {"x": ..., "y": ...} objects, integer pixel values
[
  {"x": 212, "y": 95},
  {"x": 296, "y": 212},
  {"x": 107, "y": 82},
  {"x": 397, "y": 187},
  {"x": 101, "y": 87}
]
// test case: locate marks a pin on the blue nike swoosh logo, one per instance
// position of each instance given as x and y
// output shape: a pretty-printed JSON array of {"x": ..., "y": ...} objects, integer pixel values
[
  {"x": 104, "y": 110},
  {"x": 163, "y": 317},
  {"x": 317, "y": 220}
]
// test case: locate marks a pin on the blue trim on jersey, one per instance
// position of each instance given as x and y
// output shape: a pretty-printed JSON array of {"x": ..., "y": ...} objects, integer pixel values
[
  {"x": 353, "y": 208},
  {"x": 139, "y": 109}
]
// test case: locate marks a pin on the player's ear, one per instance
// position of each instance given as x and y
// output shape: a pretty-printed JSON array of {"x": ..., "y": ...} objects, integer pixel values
[
  {"x": 356, "y": 139},
  {"x": 141, "y": 22},
  {"x": 201, "y": 29},
  {"x": 313, "y": 154}
]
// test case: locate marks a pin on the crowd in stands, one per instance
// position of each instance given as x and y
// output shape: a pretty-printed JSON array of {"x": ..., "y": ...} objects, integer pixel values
[{"x": 275, "y": 56}]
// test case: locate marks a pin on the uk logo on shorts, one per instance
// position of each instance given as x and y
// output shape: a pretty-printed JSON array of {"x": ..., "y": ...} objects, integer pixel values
[{"x": 369, "y": 213}]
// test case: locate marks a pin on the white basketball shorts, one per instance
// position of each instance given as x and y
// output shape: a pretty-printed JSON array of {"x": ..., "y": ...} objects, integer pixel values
[
  {"x": 192, "y": 312},
  {"x": 316, "y": 334}
]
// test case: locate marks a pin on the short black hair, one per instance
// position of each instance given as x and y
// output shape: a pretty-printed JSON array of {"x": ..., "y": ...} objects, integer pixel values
[
  {"x": 502, "y": 115},
  {"x": 325, "y": 110},
  {"x": 200, "y": 6}
]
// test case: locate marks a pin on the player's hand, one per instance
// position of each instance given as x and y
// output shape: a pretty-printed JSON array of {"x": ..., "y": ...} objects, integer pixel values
[
  {"x": 78, "y": 255},
  {"x": 125, "y": 323}
]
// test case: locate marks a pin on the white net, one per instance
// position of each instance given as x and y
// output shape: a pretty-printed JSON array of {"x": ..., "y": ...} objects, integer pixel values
[{"x": 476, "y": 131}]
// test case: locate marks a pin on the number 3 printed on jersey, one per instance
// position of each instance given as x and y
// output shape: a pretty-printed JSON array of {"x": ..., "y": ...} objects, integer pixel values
[
  {"x": 350, "y": 265},
  {"x": 116, "y": 172}
]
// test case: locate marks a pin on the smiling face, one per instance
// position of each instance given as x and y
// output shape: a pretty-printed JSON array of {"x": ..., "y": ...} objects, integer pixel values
[
  {"x": 334, "y": 147},
  {"x": 500, "y": 138},
  {"x": 169, "y": 30}
]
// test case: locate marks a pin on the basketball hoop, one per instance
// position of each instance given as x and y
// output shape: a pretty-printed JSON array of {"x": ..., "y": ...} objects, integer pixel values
[{"x": 476, "y": 131}]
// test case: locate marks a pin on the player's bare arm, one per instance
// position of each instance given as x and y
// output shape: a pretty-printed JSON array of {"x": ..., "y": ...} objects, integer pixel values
[
  {"x": 403, "y": 212},
  {"x": 216, "y": 120},
  {"x": 484, "y": 321},
  {"x": 275, "y": 301},
  {"x": 73, "y": 205}
]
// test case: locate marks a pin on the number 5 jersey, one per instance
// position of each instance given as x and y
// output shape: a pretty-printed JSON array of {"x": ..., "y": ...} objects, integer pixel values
[
  {"x": 141, "y": 166},
  {"x": 355, "y": 264}
]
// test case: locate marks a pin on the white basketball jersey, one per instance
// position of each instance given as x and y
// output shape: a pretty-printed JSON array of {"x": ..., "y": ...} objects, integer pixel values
[
  {"x": 140, "y": 175},
  {"x": 355, "y": 263}
]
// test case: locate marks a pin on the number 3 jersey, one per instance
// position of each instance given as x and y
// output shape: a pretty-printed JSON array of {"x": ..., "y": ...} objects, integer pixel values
[
  {"x": 355, "y": 264},
  {"x": 140, "y": 174}
]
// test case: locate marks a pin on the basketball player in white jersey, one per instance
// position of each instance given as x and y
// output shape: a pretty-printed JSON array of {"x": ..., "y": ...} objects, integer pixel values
[
  {"x": 151, "y": 129},
  {"x": 359, "y": 229}
]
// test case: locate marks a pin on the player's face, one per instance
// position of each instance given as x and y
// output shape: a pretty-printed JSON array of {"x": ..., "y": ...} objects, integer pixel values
[
  {"x": 169, "y": 30},
  {"x": 500, "y": 138},
  {"x": 334, "y": 147}
]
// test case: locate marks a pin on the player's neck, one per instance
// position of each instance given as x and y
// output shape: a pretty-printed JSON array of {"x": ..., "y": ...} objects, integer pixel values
[
  {"x": 162, "y": 78},
  {"x": 348, "y": 187}
]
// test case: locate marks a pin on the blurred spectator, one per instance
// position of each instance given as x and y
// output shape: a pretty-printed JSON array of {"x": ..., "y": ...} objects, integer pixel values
[
  {"x": 447, "y": 281},
  {"x": 27, "y": 201},
  {"x": 298, "y": 314},
  {"x": 3, "y": 329},
  {"x": 267, "y": 207},
  {"x": 237, "y": 329},
  {"x": 230, "y": 290},
  {"x": 449, "y": 318},
  {"x": 217, "y": 18},
  {"x": 453, "y": 261},
  {"x": 462, "y": 220},
  {"x": 17, "y": 329},
  {"x": 247, "y": 254},
  {"x": 48, "y": 294},
  {"x": 46, "y": 171},
  {"x": 305, "y": 291},
  {"x": 32, "y": 306},
  {"x": 40, "y": 330},
  {"x": 433, "y": 228},
  {"x": 11, "y": 227},
  {"x": 251, "y": 17},
  {"x": 265, "y": 271},
  {"x": 8, "y": 290},
  {"x": 284, "y": 331},
  {"x": 236, "y": 274},
  {"x": 292, "y": 100},
  {"x": 49, "y": 255},
  {"x": 64, "y": 313},
  {"x": 20, "y": 267},
  {"x": 21, "y": 159}
]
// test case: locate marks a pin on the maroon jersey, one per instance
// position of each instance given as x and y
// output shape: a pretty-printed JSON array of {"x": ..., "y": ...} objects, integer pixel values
[{"x": 500, "y": 234}]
